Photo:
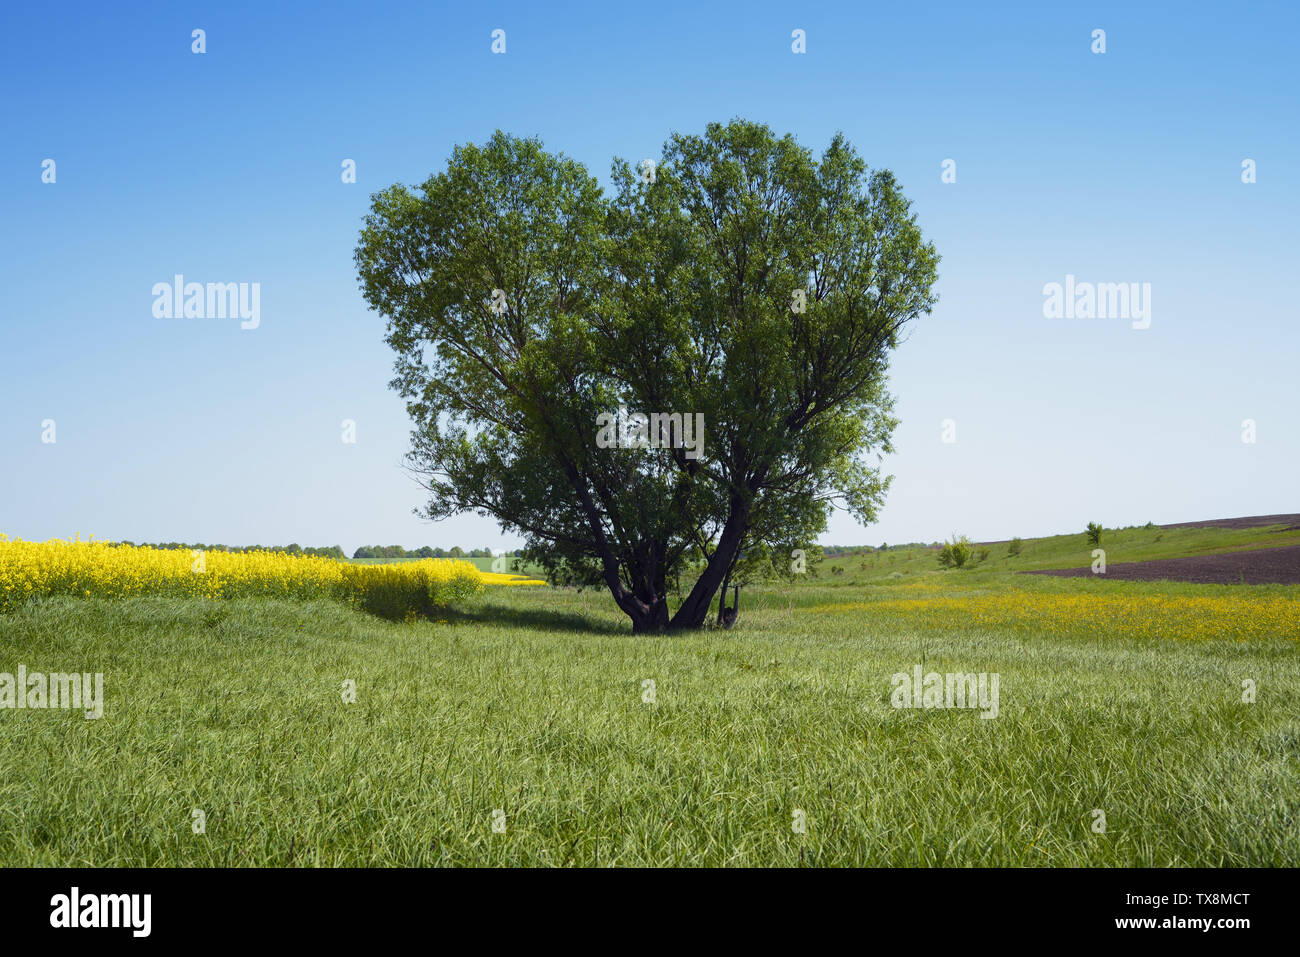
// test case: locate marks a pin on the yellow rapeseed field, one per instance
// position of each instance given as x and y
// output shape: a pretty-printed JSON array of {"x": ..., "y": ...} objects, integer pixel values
[
  {"x": 1135, "y": 614},
  {"x": 105, "y": 569}
]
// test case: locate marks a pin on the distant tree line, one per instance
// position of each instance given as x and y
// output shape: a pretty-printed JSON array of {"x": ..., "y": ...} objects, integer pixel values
[
  {"x": 329, "y": 551},
  {"x": 837, "y": 551},
  {"x": 324, "y": 551},
  {"x": 397, "y": 551}
]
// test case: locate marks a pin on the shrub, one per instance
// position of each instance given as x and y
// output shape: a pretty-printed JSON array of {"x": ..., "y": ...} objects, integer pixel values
[
  {"x": 982, "y": 555},
  {"x": 1094, "y": 533},
  {"x": 1015, "y": 547},
  {"x": 956, "y": 553},
  {"x": 397, "y": 592}
]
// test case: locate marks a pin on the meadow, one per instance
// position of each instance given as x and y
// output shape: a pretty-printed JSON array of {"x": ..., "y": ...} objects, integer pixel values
[{"x": 1124, "y": 698}]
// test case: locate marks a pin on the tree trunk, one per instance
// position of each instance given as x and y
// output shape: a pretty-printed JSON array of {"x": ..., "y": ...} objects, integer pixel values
[
  {"x": 722, "y": 596},
  {"x": 695, "y": 608},
  {"x": 653, "y": 619}
]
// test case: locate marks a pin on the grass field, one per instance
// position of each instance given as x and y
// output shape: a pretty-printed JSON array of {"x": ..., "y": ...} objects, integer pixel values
[
  {"x": 1071, "y": 551},
  {"x": 1124, "y": 698}
]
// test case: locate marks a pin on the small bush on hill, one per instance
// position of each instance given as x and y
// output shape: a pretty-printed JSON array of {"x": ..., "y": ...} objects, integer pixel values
[{"x": 956, "y": 553}]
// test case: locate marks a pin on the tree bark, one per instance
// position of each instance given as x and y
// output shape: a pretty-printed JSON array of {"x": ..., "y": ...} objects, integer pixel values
[
  {"x": 722, "y": 597},
  {"x": 695, "y": 608}
]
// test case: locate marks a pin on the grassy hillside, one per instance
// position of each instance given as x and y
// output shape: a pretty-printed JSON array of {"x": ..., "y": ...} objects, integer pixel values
[{"x": 1064, "y": 551}]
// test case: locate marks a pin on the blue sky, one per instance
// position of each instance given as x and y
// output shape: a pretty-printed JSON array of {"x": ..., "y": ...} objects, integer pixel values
[{"x": 225, "y": 167}]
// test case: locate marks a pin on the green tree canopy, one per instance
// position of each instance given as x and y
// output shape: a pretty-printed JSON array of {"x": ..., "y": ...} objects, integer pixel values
[{"x": 523, "y": 303}]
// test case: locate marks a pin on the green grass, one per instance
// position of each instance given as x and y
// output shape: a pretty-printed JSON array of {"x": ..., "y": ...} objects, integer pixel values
[
  {"x": 530, "y": 701},
  {"x": 1063, "y": 551}
]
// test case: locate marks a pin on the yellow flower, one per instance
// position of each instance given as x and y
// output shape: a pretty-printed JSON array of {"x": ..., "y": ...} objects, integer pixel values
[{"x": 104, "y": 569}]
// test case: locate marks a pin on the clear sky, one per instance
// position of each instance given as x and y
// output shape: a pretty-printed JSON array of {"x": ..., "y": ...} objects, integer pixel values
[{"x": 1124, "y": 166}]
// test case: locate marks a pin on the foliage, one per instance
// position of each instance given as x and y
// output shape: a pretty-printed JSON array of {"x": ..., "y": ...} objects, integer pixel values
[
  {"x": 523, "y": 305},
  {"x": 955, "y": 553},
  {"x": 1094, "y": 534},
  {"x": 397, "y": 551},
  {"x": 327, "y": 551}
]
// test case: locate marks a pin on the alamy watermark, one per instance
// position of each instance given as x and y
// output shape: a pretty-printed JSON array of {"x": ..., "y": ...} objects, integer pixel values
[
  {"x": 658, "y": 430},
  {"x": 179, "y": 299},
  {"x": 75, "y": 909},
  {"x": 36, "y": 690},
  {"x": 953, "y": 690},
  {"x": 1103, "y": 300}
]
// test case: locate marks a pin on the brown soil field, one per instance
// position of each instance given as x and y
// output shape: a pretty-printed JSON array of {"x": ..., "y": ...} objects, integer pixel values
[
  {"x": 1250, "y": 521},
  {"x": 1261, "y": 566}
]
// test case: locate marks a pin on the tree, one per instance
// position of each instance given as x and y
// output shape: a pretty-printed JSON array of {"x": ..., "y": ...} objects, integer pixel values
[{"x": 742, "y": 280}]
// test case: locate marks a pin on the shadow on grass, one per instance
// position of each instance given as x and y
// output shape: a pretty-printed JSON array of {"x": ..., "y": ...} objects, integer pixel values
[{"x": 533, "y": 618}]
